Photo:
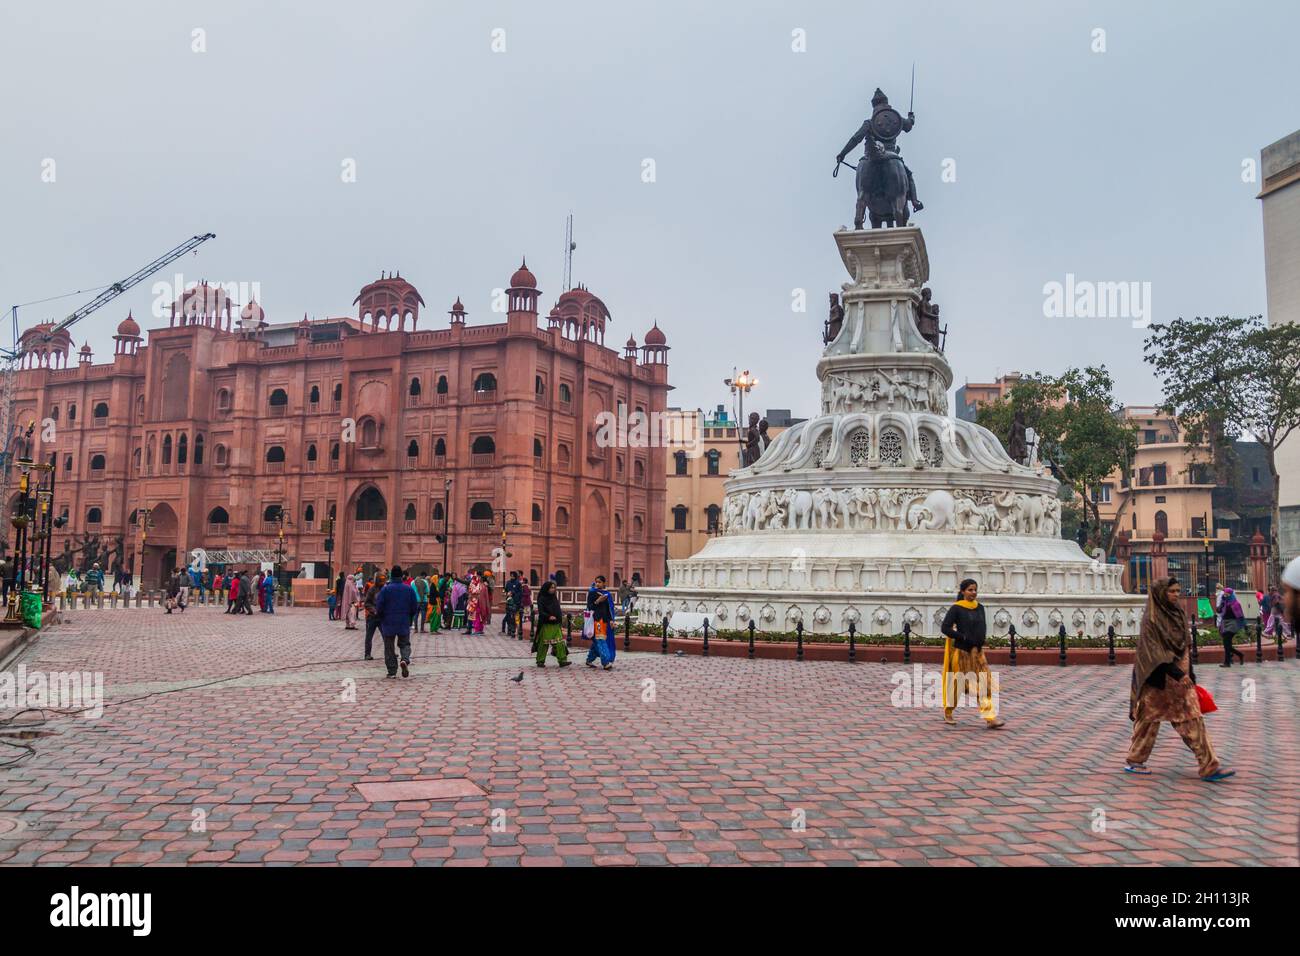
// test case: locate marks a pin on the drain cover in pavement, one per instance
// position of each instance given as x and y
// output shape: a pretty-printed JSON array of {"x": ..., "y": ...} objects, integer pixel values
[{"x": 433, "y": 788}]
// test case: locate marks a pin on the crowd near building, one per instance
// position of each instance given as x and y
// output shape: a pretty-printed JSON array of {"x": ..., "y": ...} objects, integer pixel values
[{"x": 401, "y": 444}]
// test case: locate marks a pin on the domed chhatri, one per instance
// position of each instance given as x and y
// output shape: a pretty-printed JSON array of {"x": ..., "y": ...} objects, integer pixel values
[
  {"x": 523, "y": 277},
  {"x": 873, "y": 511},
  {"x": 656, "y": 336}
]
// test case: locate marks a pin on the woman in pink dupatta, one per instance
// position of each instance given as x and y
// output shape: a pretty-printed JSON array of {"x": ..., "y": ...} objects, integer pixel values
[{"x": 477, "y": 611}]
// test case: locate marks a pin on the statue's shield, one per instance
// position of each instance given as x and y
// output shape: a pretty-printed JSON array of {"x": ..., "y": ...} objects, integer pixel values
[{"x": 886, "y": 123}]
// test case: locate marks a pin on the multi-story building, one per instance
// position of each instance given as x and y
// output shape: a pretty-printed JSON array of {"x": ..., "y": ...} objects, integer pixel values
[
  {"x": 222, "y": 422},
  {"x": 1205, "y": 508},
  {"x": 972, "y": 395},
  {"x": 694, "y": 497},
  {"x": 1280, "y": 203}
]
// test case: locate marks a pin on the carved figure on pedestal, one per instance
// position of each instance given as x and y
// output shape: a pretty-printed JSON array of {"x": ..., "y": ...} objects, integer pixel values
[{"x": 834, "y": 322}]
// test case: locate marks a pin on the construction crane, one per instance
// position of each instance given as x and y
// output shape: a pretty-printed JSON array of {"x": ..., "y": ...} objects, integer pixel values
[{"x": 12, "y": 358}]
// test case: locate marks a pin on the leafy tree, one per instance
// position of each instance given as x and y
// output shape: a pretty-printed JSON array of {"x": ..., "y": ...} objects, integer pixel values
[
  {"x": 1081, "y": 432},
  {"x": 1228, "y": 377}
]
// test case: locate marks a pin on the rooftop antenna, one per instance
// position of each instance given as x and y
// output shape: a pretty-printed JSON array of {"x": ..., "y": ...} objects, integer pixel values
[{"x": 569, "y": 246}]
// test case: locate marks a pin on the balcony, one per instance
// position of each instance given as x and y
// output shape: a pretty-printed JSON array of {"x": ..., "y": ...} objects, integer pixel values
[
  {"x": 279, "y": 411},
  {"x": 439, "y": 399},
  {"x": 485, "y": 396},
  {"x": 370, "y": 527},
  {"x": 480, "y": 525},
  {"x": 275, "y": 467},
  {"x": 217, "y": 530},
  {"x": 483, "y": 461},
  {"x": 412, "y": 462}
]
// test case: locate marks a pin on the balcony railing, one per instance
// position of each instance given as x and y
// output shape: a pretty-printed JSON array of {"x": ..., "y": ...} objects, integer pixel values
[
  {"x": 412, "y": 461},
  {"x": 483, "y": 461},
  {"x": 480, "y": 524},
  {"x": 279, "y": 411},
  {"x": 439, "y": 398},
  {"x": 485, "y": 396},
  {"x": 217, "y": 530},
  {"x": 275, "y": 467},
  {"x": 370, "y": 527}
]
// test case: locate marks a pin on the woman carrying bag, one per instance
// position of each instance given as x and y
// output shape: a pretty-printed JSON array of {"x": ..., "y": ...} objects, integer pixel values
[{"x": 1164, "y": 685}]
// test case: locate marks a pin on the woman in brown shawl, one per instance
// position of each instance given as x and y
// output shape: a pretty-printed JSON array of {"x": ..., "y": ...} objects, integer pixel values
[{"x": 1164, "y": 685}]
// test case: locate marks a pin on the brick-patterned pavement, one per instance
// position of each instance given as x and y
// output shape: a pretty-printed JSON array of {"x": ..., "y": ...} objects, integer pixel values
[{"x": 579, "y": 767}]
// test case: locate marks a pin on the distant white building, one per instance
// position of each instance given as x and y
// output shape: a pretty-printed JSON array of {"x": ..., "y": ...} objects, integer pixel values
[{"x": 1280, "y": 196}]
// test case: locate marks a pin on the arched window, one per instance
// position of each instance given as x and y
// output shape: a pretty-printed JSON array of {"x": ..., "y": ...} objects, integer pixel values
[
  {"x": 483, "y": 445},
  {"x": 72, "y": 413},
  {"x": 369, "y": 433},
  {"x": 311, "y": 452},
  {"x": 1162, "y": 523},
  {"x": 97, "y": 463},
  {"x": 537, "y": 511},
  {"x": 101, "y": 410},
  {"x": 481, "y": 512},
  {"x": 414, "y": 390},
  {"x": 562, "y": 457},
  {"x": 537, "y": 448},
  {"x": 271, "y": 514},
  {"x": 561, "y": 517},
  {"x": 679, "y": 518},
  {"x": 440, "y": 449},
  {"x": 139, "y": 408},
  {"x": 222, "y": 457},
  {"x": 135, "y": 460},
  {"x": 94, "y": 516},
  {"x": 218, "y": 516},
  {"x": 413, "y": 449},
  {"x": 314, "y": 397},
  {"x": 198, "y": 449},
  {"x": 713, "y": 457},
  {"x": 539, "y": 385},
  {"x": 442, "y": 385},
  {"x": 279, "y": 400},
  {"x": 638, "y": 470},
  {"x": 438, "y": 513},
  {"x": 566, "y": 393},
  {"x": 167, "y": 450},
  {"x": 223, "y": 399},
  {"x": 183, "y": 450},
  {"x": 275, "y": 455},
  {"x": 711, "y": 516},
  {"x": 371, "y": 506},
  {"x": 338, "y": 391},
  {"x": 409, "y": 514},
  {"x": 54, "y": 413},
  {"x": 485, "y": 382},
  {"x": 309, "y": 514},
  {"x": 679, "y": 463},
  {"x": 638, "y": 527},
  {"x": 334, "y": 452},
  {"x": 67, "y": 463}
]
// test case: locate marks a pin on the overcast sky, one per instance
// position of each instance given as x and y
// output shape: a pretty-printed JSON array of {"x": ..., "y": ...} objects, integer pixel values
[{"x": 1122, "y": 165}]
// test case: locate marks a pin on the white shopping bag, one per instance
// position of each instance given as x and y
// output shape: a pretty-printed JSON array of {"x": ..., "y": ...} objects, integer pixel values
[{"x": 588, "y": 625}]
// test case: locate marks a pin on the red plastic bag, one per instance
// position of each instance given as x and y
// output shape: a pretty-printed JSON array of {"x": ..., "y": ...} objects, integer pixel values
[{"x": 1208, "y": 706}]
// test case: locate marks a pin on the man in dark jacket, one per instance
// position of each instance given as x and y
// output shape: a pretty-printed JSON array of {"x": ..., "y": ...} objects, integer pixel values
[{"x": 394, "y": 606}]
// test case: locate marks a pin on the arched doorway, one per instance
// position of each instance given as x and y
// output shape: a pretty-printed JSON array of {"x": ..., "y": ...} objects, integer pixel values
[
  {"x": 161, "y": 545},
  {"x": 594, "y": 532},
  {"x": 366, "y": 520}
]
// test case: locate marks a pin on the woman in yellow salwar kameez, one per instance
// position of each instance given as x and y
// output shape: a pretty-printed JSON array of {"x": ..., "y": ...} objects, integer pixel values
[{"x": 964, "y": 628}]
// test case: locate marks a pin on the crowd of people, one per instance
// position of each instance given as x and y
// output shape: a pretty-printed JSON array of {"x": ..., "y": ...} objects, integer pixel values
[{"x": 401, "y": 602}]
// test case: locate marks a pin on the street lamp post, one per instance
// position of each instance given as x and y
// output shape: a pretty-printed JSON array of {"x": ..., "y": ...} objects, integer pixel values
[
  {"x": 514, "y": 523},
  {"x": 1205, "y": 527},
  {"x": 446, "y": 521},
  {"x": 142, "y": 519},
  {"x": 19, "y": 519},
  {"x": 740, "y": 384},
  {"x": 328, "y": 527}
]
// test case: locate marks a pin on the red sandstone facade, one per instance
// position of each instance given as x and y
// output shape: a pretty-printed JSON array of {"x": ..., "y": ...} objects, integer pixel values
[{"x": 222, "y": 418}]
